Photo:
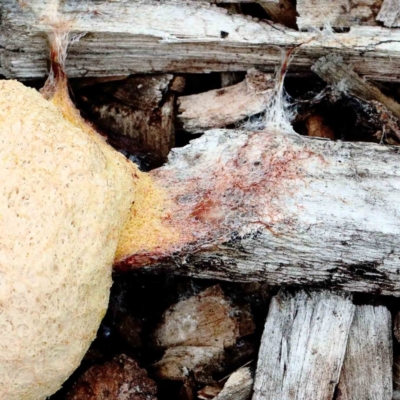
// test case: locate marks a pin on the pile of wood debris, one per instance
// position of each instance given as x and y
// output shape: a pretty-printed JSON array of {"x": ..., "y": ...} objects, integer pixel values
[{"x": 162, "y": 74}]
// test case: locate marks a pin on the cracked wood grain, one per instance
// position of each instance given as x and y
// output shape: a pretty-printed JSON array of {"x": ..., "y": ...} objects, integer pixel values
[
  {"x": 284, "y": 209},
  {"x": 181, "y": 37},
  {"x": 367, "y": 367},
  {"x": 303, "y": 346}
]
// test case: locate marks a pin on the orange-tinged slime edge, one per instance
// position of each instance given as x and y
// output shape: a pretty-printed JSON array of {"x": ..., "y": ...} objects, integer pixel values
[{"x": 144, "y": 230}]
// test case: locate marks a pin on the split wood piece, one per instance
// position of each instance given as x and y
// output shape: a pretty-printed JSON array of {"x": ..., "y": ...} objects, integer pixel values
[
  {"x": 396, "y": 376},
  {"x": 196, "y": 332},
  {"x": 239, "y": 386},
  {"x": 390, "y": 13},
  {"x": 281, "y": 11},
  {"x": 197, "y": 38},
  {"x": 334, "y": 70},
  {"x": 303, "y": 346},
  {"x": 140, "y": 108},
  {"x": 275, "y": 207},
  {"x": 314, "y": 14},
  {"x": 367, "y": 367},
  {"x": 121, "y": 378},
  {"x": 222, "y": 107}
]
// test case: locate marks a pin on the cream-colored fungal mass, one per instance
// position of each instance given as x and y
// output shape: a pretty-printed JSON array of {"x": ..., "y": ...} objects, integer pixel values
[{"x": 64, "y": 198}]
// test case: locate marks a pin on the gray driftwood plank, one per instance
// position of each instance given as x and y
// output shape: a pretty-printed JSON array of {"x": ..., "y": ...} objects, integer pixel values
[
  {"x": 367, "y": 367},
  {"x": 303, "y": 346}
]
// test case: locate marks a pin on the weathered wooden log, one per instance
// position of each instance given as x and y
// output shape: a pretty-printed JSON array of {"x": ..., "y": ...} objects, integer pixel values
[
  {"x": 275, "y": 207},
  {"x": 149, "y": 36},
  {"x": 367, "y": 367},
  {"x": 303, "y": 346}
]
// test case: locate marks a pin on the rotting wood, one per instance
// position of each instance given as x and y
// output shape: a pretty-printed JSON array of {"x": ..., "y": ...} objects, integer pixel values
[
  {"x": 275, "y": 207},
  {"x": 195, "y": 333},
  {"x": 199, "y": 38},
  {"x": 367, "y": 367},
  {"x": 141, "y": 108},
  {"x": 280, "y": 11},
  {"x": 207, "y": 319},
  {"x": 389, "y": 13},
  {"x": 334, "y": 70},
  {"x": 315, "y": 14},
  {"x": 222, "y": 107},
  {"x": 303, "y": 346}
]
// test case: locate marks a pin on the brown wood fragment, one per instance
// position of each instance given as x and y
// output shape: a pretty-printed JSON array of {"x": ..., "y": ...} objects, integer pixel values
[
  {"x": 303, "y": 346},
  {"x": 208, "y": 319},
  {"x": 196, "y": 332},
  {"x": 367, "y": 367},
  {"x": 334, "y": 70},
  {"x": 119, "y": 379},
  {"x": 396, "y": 326},
  {"x": 389, "y": 13},
  {"x": 222, "y": 107},
  {"x": 316, "y": 127},
  {"x": 315, "y": 14},
  {"x": 396, "y": 376},
  {"x": 281, "y": 11},
  {"x": 140, "y": 108}
]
